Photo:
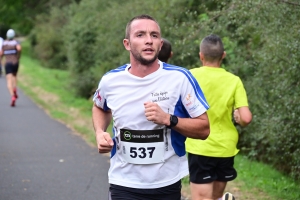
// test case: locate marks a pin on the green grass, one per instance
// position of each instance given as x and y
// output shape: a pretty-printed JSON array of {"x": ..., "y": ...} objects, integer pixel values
[
  {"x": 50, "y": 89},
  {"x": 54, "y": 81},
  {"x": 43, "y": 85},
  {"x": 263, "y": 177}
]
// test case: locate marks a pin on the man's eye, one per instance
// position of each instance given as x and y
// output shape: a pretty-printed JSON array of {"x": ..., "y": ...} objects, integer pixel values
[{"x": 155, "y": 36}]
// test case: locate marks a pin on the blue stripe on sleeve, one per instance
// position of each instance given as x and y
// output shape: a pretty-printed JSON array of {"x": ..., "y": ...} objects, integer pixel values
[
  {"x": 105, "y": 107},
  {"x": 119, "y": 69},
  {"x": 199, "y": 94}
]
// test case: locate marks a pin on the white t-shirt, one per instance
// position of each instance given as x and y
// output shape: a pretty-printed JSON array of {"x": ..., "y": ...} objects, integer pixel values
[
  {"x": 141, "y": 158},
  {"x": 1, "y": 42}
]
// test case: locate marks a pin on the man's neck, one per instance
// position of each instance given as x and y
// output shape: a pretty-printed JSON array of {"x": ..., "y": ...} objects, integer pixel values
[
  {"x": 211, "y": 64},
  {"x": 137, "y": 69}
]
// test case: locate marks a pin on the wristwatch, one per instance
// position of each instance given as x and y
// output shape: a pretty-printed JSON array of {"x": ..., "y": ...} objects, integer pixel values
[{"x": 173, "y": 121}]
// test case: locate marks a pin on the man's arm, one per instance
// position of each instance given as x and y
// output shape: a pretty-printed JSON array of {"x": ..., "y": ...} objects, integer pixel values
[
  {"x": 243, "y": 116},
  {"x": 197, "y": 128},
  {"x": 1, "y": 56},
  {"x": 19, "y": 49},
  {"x": 101, "y": 120}
]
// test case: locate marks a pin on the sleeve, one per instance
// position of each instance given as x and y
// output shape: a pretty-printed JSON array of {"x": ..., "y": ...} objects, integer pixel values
[
  {"x": 240, "y": 97},
  {"x": 192, "y": 97},
  {"x": 100, "y": 97}
]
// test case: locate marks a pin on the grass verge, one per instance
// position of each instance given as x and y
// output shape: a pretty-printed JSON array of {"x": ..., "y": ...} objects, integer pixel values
[{"x": 49, "y": 89}]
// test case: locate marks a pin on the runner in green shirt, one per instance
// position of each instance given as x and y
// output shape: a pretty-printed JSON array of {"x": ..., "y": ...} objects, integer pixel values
[{"x": 211, "y": 160}]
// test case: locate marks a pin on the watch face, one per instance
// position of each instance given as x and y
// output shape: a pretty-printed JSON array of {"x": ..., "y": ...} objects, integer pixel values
[{"x": 174, "y": 120}]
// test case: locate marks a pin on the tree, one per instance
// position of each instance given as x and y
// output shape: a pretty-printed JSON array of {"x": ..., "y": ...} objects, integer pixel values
[{"x": 20, "y": 14}]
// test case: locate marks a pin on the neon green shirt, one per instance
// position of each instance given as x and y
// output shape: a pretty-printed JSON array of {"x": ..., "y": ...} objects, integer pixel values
[{"x": 224, "y": 92}]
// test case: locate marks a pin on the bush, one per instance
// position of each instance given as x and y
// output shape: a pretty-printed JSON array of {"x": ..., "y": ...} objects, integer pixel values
[{"x": 47, "y": 38}]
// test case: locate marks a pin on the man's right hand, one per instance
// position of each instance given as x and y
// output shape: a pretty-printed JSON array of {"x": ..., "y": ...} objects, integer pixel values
[
  {"x": 104, "y": 142},
  {"x": 242, "y": 116}
]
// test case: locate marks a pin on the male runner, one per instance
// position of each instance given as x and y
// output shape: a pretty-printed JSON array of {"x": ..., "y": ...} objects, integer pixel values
[
  {"x": 11, "y": 50},
  {"x": 154, "y": 107},
  {"x": 166, "y": 51},
  {"x": 1, "y": 42},
  {"x": 211, "y": 162}
]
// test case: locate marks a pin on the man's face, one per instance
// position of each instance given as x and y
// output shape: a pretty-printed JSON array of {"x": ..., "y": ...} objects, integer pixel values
[{"x": 145, "y": 41}]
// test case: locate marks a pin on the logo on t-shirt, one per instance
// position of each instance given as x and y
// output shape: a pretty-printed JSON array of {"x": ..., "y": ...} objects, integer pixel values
[
  {"x": 127, "y": 135},
  {"x": 99, "y": 96},
  {"x": 159, "y": 96},
  {"x": 191, "y": 103},
  {"x": 188, "y": 97}
]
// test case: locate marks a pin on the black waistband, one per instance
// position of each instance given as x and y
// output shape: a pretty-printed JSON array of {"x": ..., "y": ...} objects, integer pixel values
[{"x": 163, "y": 190}]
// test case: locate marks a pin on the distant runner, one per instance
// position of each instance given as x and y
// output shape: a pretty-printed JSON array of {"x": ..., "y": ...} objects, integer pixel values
[
  {"x": 11, "y": 50},
  {"x": 1, "y": 42}
]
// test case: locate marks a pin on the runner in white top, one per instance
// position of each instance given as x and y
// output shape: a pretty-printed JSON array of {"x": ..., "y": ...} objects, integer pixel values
[
  {"x": 154, "y": 107},
  {"x": 1, "y": 42},
  {"x": 11, "y": 51}
]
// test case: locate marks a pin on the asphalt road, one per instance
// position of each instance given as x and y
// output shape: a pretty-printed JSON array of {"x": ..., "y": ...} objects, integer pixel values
[{"x": 41, "y": 159}]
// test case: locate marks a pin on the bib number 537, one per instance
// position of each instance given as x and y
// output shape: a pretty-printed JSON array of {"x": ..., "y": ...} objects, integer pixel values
[{"x": 141, "y": 152}]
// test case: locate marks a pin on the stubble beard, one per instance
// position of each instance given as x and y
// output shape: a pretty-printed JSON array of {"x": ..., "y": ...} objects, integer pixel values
[{"x": 143, "y": 60}]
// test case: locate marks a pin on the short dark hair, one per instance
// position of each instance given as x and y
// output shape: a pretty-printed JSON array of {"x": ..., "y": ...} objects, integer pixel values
[
  {"x": 127, "y": 31},
  {"x": 165, "y": 51},
  {"x": 212, "y": 48}
]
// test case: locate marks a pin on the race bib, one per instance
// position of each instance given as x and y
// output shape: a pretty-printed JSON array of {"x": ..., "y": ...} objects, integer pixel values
[{"x": 143, "y": 146}]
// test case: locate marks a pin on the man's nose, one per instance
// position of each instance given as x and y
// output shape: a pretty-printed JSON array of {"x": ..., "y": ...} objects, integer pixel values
[{"x": 149, "y": 39}]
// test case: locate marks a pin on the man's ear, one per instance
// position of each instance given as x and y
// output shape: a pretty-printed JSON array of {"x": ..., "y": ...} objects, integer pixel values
[
  {"x": 126, "y": 44},
  {"x": 171, "y": 55},
  {"x": 201, "y": 56},
  {"x": 224, "y": 55}
]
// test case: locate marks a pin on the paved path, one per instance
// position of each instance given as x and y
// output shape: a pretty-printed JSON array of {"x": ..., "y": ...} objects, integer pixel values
[{"x": 41, "y": 159}]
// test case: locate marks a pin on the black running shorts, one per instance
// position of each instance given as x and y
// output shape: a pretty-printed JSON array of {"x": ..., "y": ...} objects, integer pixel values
[
  {"x": 11, "y": 68},
  {"x": 173, "y": 192},
  {"x": 205, "y": 169}
]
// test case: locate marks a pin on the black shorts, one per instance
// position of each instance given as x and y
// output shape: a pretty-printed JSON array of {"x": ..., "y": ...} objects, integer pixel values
[
  {"x": 205, "y": 169},
  {"x": 173, "y": 192},
  {"x": 11, "y": 68}
]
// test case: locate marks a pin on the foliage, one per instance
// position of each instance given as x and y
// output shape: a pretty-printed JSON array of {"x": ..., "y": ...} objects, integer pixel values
[
  {"x": 20, "y": 14},
  {"x": 47, "y": 38},
  {"x": 82, "y": 47},
  {"x": 271, "y": 57}
]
